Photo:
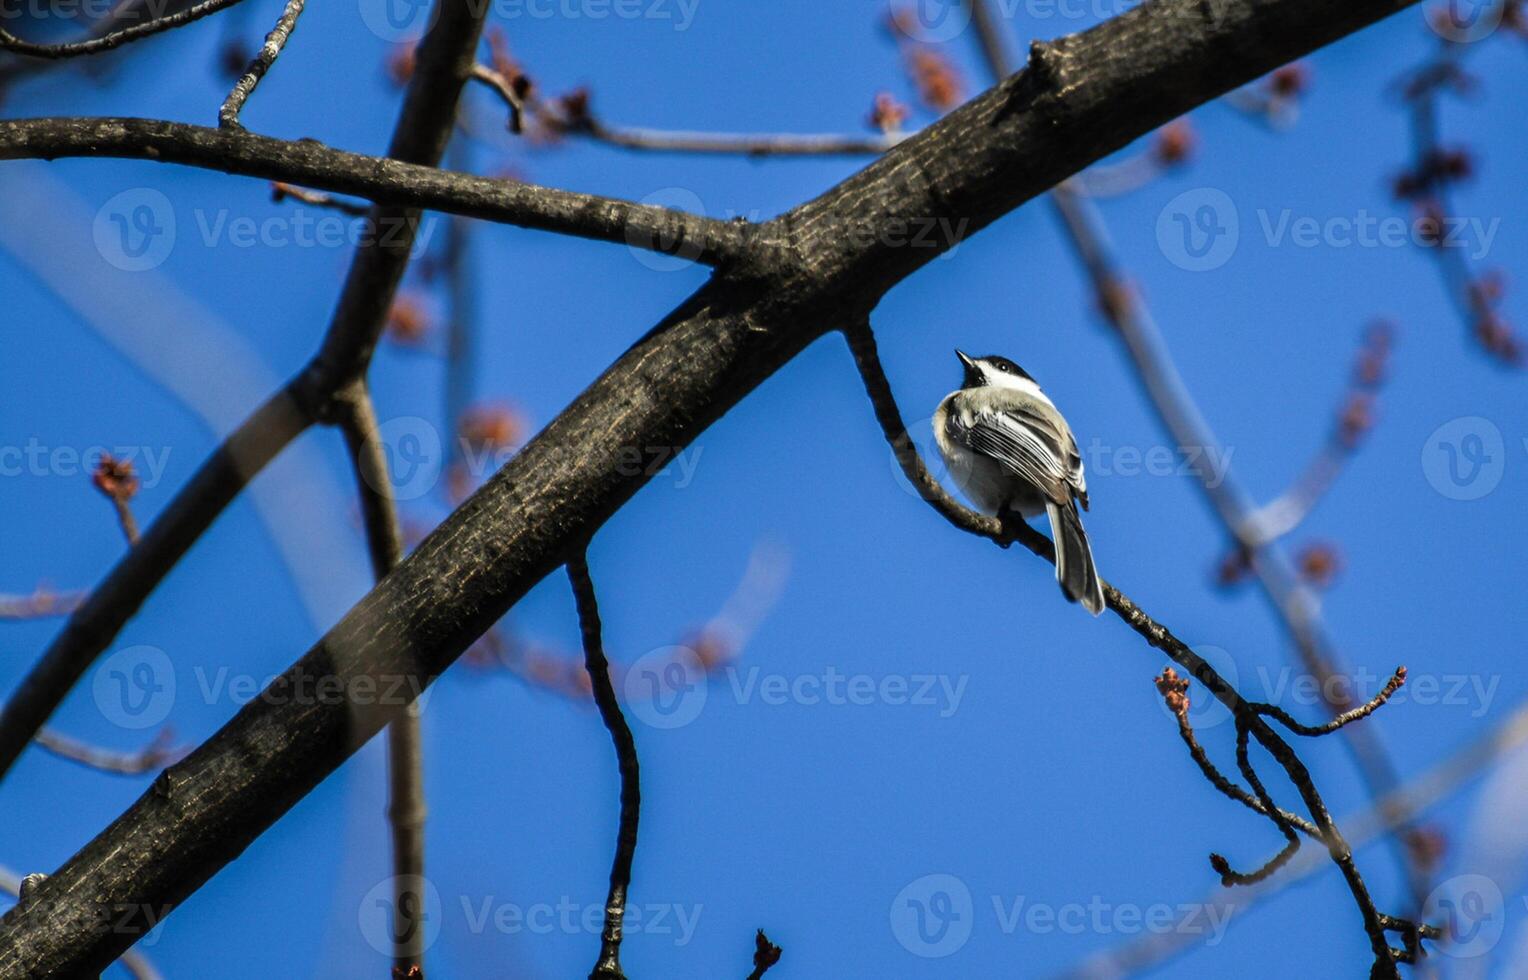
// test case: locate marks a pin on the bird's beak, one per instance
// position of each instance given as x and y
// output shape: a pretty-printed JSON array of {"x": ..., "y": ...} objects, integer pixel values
[{"x": 965, "y": 359}]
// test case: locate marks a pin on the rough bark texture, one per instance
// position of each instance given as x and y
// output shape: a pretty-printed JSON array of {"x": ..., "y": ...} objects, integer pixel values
[{"x": 820, "y": 266}]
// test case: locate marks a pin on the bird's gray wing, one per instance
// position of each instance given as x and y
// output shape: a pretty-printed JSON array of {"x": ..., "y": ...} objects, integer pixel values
[
  {"x": 1054, "y": 431},
  {"x": 1032, "y": 452}
]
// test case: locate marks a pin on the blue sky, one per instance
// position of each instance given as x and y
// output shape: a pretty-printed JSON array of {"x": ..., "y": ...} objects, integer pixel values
[{"x": 1009, "y": 742}]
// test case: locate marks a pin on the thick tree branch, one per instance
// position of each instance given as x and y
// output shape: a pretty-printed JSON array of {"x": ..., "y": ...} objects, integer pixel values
[{"x": 1080, "y": 98}]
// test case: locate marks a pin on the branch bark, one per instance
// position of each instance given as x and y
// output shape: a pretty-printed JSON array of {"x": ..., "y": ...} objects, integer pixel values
[{"x": 819, "y": 266}]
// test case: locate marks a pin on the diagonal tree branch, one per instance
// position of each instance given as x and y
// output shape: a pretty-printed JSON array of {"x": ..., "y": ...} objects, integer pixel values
[{"x": 821, "y": 265}]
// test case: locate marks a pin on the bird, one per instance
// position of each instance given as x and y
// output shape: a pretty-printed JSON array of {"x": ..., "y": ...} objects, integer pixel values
[{"x": 1010, "y": 450}]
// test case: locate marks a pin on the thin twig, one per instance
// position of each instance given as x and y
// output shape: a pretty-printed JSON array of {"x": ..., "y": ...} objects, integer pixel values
[
  {"x": 1395, "y": 810},
  {"x": 10, "y": 42},
  {"x": 228, "y": 115},
  {"x": 1346, "y": 718},
  {"x": 608, "y": 967},
  {"x": 156, "y": 755},
  {"x": 511, "y": 90},
  {"x": 1174, "y": 690},
  {"x": 41, "y": 604},
  {"x": 765, "y": 955},
  {"x": 280, "y": 191},
  {"x": 406, "y": 808}
]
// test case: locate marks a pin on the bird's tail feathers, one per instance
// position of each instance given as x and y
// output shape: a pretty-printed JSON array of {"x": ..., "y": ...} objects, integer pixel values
[{"x": 1074, "y": 559}]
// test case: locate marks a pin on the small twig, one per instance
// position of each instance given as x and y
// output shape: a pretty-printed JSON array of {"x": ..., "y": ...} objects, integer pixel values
[
  {"x": 1346, "y": 718},
  {"x": 573, "y": 117},
  {"x": 156, "y": 755},
  {"x": 1220, "y": 864},
  {"x": 765, "y": 955},
  {"x": 511, "y": 90},
  {"x": 406, "y": 809},
  {"x": 116, "y": 479},
  {"x": 608, "y": 967},
  {"x": 10, "y": 42},
  {"x": 281, "y": 190},
  {"x": 228, "y": 115},
  {"x": 1174, "y": 690},
  {"x": 41, "y": 604}
]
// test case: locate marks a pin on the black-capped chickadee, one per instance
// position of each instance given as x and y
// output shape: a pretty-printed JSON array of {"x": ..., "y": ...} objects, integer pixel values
[{"x": 1010, "y": 450}]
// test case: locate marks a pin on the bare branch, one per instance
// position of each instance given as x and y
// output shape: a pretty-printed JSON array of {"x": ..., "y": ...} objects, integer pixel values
[
  {"x": 41, "y": 604},
  {"x": 228, "y": 115},
  {"x": 156, "y": 755},
  {"x": 10, "y": 42},
  {"x": 387, "y": 181},
  {"x": 608, "y": 967}
]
